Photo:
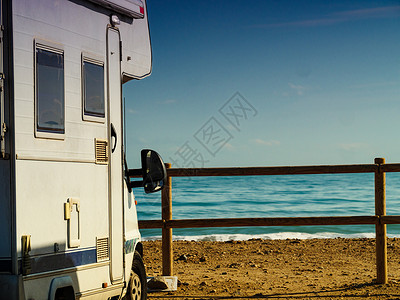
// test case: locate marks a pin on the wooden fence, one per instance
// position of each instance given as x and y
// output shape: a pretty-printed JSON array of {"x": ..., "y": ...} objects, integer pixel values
[{"x": 380, "y": 219}]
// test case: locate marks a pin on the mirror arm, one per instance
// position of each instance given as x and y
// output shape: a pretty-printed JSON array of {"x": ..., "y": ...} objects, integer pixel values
[
  {"x": 136, "y": 184},
  {"x": 135, "y": 172}
]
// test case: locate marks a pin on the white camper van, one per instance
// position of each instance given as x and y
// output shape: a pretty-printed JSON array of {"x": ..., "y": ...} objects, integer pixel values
[{"x": 68, "y": 223}]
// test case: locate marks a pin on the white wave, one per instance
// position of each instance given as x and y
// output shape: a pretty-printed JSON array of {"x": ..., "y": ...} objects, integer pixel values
[{"x": 268, "y": 236}]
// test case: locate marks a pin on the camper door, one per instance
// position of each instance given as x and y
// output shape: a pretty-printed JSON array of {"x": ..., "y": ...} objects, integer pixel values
[{"x": 115, "y": 166}]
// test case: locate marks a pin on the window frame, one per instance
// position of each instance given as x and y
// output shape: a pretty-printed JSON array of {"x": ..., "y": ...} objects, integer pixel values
[
  {"x": 56, "y": 49},
  {"x": 95, "y": 60}
]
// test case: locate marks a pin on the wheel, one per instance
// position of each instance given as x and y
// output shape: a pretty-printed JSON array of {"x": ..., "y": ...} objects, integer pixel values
[{"x": 137, "y": 287}]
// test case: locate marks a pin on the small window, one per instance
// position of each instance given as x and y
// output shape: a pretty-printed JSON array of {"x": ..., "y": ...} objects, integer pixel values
[
  {"x": 93, "y": 89},
  {"x": 49, "y": 90}
]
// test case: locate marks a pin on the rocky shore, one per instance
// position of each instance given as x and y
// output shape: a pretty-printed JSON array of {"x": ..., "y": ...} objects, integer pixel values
[{"x": 278, "y": 269}]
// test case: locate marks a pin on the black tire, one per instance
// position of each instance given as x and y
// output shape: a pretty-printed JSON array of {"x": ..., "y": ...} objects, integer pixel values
[{"x": 137, "y": 287}]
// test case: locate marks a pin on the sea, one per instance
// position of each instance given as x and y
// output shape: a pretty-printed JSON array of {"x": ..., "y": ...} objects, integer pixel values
[{"x": 268, "y": 197}]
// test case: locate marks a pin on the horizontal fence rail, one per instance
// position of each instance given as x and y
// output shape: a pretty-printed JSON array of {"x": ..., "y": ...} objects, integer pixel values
[
  {"x": 285, "y": 170},
  {"x": 281, "y": 170},
  {"x": 379, "y": 220},
  {"x": 249, "y": 222}
]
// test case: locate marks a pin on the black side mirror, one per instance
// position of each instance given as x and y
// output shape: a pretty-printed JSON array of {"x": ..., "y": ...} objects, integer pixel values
[{"x": 153, "y": 172}]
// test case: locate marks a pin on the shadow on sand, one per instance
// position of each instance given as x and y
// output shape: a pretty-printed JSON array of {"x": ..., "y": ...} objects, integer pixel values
[{"x": 356, "y": 291}]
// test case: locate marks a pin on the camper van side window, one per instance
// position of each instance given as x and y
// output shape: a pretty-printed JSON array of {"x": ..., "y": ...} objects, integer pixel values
[
  {"x": 93, "y": 89},
  {"x": 49, "y": 91}
]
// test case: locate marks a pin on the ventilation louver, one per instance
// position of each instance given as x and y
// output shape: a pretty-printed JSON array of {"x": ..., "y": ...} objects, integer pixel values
[
  {"x": 101, "y": 151},
  {"x": 102, "y": 249}
]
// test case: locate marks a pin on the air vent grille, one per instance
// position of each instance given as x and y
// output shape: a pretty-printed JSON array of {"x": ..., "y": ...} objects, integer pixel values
[
  {"x": 101, "y": 151},
  {"x": 102, "y": 249}
]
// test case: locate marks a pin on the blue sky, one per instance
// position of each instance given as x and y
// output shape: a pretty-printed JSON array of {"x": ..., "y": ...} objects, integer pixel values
[{"x": 262, "y": 83}]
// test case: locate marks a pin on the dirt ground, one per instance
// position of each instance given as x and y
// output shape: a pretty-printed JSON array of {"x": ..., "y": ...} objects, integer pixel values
[{"x": 277, "y": 269}]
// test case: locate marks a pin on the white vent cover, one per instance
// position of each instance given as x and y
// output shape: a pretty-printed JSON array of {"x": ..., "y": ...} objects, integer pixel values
[
  {"x": 102, "y": 249},
  {"x": 101, "y": 149}
]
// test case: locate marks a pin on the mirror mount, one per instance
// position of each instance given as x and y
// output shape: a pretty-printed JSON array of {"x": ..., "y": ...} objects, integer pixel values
[{"x": 153, "y": 172}]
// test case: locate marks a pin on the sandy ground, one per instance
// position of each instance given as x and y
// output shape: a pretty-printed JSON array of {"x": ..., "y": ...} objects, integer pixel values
[{"x": 280, "y": 269}]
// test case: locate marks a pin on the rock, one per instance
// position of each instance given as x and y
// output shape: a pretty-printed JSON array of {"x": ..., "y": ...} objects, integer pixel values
[
  {"x": 203, "y": 259},
  {"x": 182, "y": 257},
  {"x": 157, "y": 283},
  {"x": 255, "y": 240},
  {"x": 234, "y": 265}
]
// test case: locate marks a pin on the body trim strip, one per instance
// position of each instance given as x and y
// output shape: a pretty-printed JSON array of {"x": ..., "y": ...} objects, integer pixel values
[
  {"x": 65, "y": 271},
  {"x": 73, "y": 160},
  {"x": 60, "y": 261}
]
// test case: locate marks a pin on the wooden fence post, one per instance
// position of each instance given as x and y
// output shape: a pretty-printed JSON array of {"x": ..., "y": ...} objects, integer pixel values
[
  {"x": 166, "y": 215},
  {"x": 380, "y": 229}
]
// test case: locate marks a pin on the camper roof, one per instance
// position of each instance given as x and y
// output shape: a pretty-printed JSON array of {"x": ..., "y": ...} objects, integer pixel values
[{"x": 130, "y": 8}]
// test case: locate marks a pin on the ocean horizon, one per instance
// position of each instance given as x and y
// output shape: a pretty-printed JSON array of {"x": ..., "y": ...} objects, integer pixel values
[{"x": 272, "y": 196}]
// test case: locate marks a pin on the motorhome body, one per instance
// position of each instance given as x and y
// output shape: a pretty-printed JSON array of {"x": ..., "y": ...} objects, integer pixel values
[{"x": 68, "y": 223}]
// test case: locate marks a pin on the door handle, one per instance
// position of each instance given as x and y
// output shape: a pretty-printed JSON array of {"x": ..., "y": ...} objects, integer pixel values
[
  {"x": 113, "y": 135},
  {"x": 74, "y": 222}
]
